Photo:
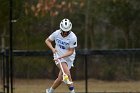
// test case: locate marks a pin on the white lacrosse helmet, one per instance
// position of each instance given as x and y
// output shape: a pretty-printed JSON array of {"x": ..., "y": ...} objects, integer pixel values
[{"x": 65, "y": 25}]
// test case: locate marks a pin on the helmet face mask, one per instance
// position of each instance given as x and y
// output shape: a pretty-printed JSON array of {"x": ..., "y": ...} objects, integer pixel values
[
  {"x": 65, "y": 33},
  {"x": 65, "y": 25}
]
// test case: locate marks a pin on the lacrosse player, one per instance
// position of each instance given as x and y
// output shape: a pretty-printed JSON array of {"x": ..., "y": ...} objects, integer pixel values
[{"x": 65, "y": 43}]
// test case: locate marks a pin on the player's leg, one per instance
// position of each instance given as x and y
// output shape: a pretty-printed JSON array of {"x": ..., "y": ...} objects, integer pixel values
[
  {"x": 67, "y": 71},
  {"x": 56, "y": 83}
]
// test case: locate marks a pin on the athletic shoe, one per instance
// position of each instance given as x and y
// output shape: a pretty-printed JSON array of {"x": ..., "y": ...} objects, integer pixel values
[
  {"x": 72, "y": 91},
  {"x": 48, "y": 91}
]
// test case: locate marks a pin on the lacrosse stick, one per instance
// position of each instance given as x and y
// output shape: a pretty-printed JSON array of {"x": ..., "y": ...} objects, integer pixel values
[{"x": 65, "y": 76}]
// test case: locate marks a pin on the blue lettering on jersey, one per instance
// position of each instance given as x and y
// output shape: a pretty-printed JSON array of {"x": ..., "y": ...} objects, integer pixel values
[
  {"x": 62, "y": 44},
  {"x": 62, "y": 47}
]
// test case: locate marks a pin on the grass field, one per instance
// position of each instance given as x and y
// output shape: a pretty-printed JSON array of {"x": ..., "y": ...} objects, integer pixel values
[{"x": 39, "y": 86}]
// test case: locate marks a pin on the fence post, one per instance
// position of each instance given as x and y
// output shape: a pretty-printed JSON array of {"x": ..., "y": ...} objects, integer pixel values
[
  {"x": 86, "y": 74},
  {"x": 7, "y": 70},
  {"x": 11, "y": 43},
  {"x": 3, "y": 71}
]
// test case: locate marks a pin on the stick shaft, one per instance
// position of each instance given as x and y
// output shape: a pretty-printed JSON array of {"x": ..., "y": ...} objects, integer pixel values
[
  {"x": 60, "y": 64},
  {"x": 61, "y": 67}
]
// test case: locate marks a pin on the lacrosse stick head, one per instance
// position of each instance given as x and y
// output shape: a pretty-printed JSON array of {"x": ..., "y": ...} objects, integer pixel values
[{"x": 66, "y": 79}]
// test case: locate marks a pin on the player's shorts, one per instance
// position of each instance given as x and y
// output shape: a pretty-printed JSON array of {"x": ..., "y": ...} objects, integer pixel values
[{"x": 68, "y": 60}]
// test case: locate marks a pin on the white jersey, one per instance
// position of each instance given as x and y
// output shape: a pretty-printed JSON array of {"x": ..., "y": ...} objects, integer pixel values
[{"x": 62, "y": 44}]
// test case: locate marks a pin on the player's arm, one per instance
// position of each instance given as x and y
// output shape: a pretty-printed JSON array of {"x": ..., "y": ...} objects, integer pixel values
[
  {"x": 49, "y": 44},
  {"x": 68, "y": 53}
]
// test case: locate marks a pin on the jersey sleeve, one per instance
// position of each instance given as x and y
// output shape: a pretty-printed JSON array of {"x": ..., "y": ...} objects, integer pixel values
[
  {"x": 73, "y": 42},
  {"x": 52, "y": 36}
]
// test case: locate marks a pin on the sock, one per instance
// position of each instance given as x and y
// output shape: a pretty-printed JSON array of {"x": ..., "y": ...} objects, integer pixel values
[{"x": 51, "y": 90}]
